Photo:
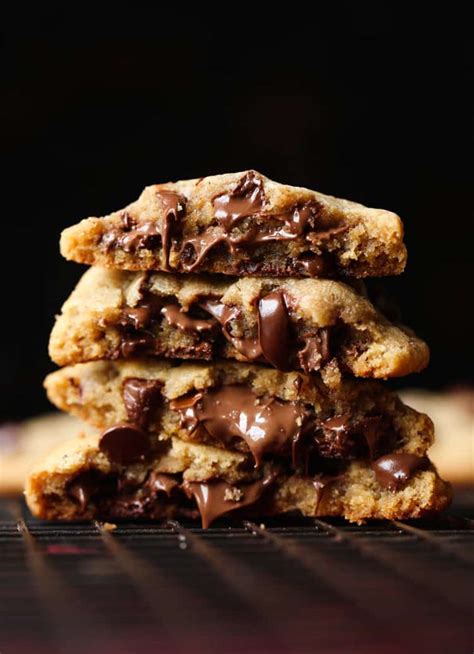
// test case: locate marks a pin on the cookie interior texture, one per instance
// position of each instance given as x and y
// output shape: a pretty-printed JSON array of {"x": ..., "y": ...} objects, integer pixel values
[
  {"x": 307, "y": 324},
  {"x": 241, "y": 224},
  {"x": 84, "y": 479},
  {"x": 243, "y": 407}
]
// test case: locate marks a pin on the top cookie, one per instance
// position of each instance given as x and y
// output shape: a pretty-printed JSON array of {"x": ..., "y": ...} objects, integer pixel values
[{"x": 241, "y": 224}]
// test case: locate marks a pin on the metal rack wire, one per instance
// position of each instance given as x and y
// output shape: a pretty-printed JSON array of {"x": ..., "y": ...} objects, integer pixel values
[{"x": 286, "y": 586}]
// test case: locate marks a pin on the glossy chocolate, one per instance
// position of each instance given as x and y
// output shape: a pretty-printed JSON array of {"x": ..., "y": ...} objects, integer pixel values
[
  {"x": 176, "y": 317},
  {"x": 141, "y": 398},
  {"x": 267, "y": 425},
  {"x": 393, "y": 471},
  {"x": 218, "y": 498},
  {"x": 174, "y": 208},
  {"x": 125, "y": 443},
  {"x": 274, "y": 330}
]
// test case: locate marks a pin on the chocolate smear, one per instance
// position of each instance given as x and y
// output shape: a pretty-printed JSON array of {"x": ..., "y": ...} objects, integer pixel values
[
  {"x": 393, "y": 471},
  {"x": 124, "y": 443},
  {"x": 176, "y": 317},
  {"x": 249, "y": 347},
  {"x": 141, "y": 398},
  {"x": 174, "y": 207},
  {"x": 233, "y": 412},
  {"x": 274, "y": 330},
  {"x": 217, "y": 498},
  {"x": 246, "y": 199},
  {"x": 315, "y": 352}
]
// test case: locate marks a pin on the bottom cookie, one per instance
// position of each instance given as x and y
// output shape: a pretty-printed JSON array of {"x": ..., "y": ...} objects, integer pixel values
[{"x": 112, "y": 477}]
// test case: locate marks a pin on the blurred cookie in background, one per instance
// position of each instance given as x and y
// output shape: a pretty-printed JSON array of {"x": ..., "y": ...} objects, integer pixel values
[
  {"x": 22, "y": 443},
  {"x": 452, "y": 412}
]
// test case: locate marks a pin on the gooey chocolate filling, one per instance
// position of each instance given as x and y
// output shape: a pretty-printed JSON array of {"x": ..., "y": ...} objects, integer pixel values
[
  {"x": 270, "y": 426},
  {"x": 240, "y": 224},
  {"x": 278, "y": 341}
]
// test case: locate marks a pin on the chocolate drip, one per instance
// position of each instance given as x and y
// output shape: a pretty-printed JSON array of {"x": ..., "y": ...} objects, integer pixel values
[
  {"x": 174, "y": 207},
  {"x": 393, "y": 471},
  {"x": 176, "y": 317},
  {"x": 274, "y": 330},
  {"x": 124, "y": 443},
  {"x": 132, "y": 236},
  {"x": 141, "y": 398},
  {"x": 250, "y": 348},
  {"x": 233, "y": 412},
  {"x": 217, "y": 498}
]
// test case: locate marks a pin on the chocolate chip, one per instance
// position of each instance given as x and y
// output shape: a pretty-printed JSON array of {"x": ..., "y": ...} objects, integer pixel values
[
  {"x": 393, "y": 471},
  {"x": 124, "y": 443},
  {"x": 274, "y": 330}
]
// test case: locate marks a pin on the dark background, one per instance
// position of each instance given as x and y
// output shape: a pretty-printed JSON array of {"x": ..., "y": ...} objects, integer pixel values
[{"x": 363, "y": 101}]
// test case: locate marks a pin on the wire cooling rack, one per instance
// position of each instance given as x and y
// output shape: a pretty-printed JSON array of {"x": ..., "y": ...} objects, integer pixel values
[{"x": 290, "y": 585}]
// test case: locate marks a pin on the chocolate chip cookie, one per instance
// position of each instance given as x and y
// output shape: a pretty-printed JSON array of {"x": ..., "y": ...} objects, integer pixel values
[
  {"x": 100, "y": 476},
  {"x": 241, "y": 224},
  {"x": 309, "y": 324},
  {"x": 246, "y": 408}
]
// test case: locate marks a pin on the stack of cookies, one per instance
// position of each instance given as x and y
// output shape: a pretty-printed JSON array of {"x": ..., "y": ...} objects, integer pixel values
[{"x": 225, "y": 367}]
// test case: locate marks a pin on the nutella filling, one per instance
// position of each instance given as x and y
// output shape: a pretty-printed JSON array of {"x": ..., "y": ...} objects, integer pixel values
[
  {"x": 236, "y": 412},
  {"x": 393, "y": 471},
  {"x": 218, "y": 498}
]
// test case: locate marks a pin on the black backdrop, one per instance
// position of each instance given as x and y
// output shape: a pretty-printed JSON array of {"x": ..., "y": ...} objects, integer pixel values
[{"x": 362, "y": 101}]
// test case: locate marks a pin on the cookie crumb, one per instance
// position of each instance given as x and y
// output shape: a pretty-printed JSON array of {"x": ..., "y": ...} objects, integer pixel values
[{"x": 233, "y": 494}]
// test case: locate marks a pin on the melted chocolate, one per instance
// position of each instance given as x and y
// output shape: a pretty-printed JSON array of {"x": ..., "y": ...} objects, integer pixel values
[
  {"x": 149, "y": 234},
  {"x": 233, "y": 412},
  {"x": 141, "y": 398},
  {"x": 250, "y": 348},
  {"x": 274, "y": 330},
  {"x": 393, "y": 471},
  {"x": 87, "y": 484},
  {"x": 174, "y": 207},
  {"x": 176, "y": 317},
  {"x": 217, "y": 498},
  {"x": 320, "y": 483},
  {"x": 315, "y": 352},
  {"x": 161, "y": 482},
  {"x": 246, "y": 199},
  {"x": 125, "y": 443}
]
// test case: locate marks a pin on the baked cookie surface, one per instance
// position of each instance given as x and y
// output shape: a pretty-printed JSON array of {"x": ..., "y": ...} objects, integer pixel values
[
  {"x": 90, "y": 477},
  {"x": 241, "y": 224},
  {"x": 309, "y": 324}
]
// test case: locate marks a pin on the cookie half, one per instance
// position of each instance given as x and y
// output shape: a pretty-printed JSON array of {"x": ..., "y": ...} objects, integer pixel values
[
  {"x": 93, "y": 477},
  {"x": 241, "y": 224},
  {"x": 246, "y": 408},
  {"x": 310, "y": 324}
]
